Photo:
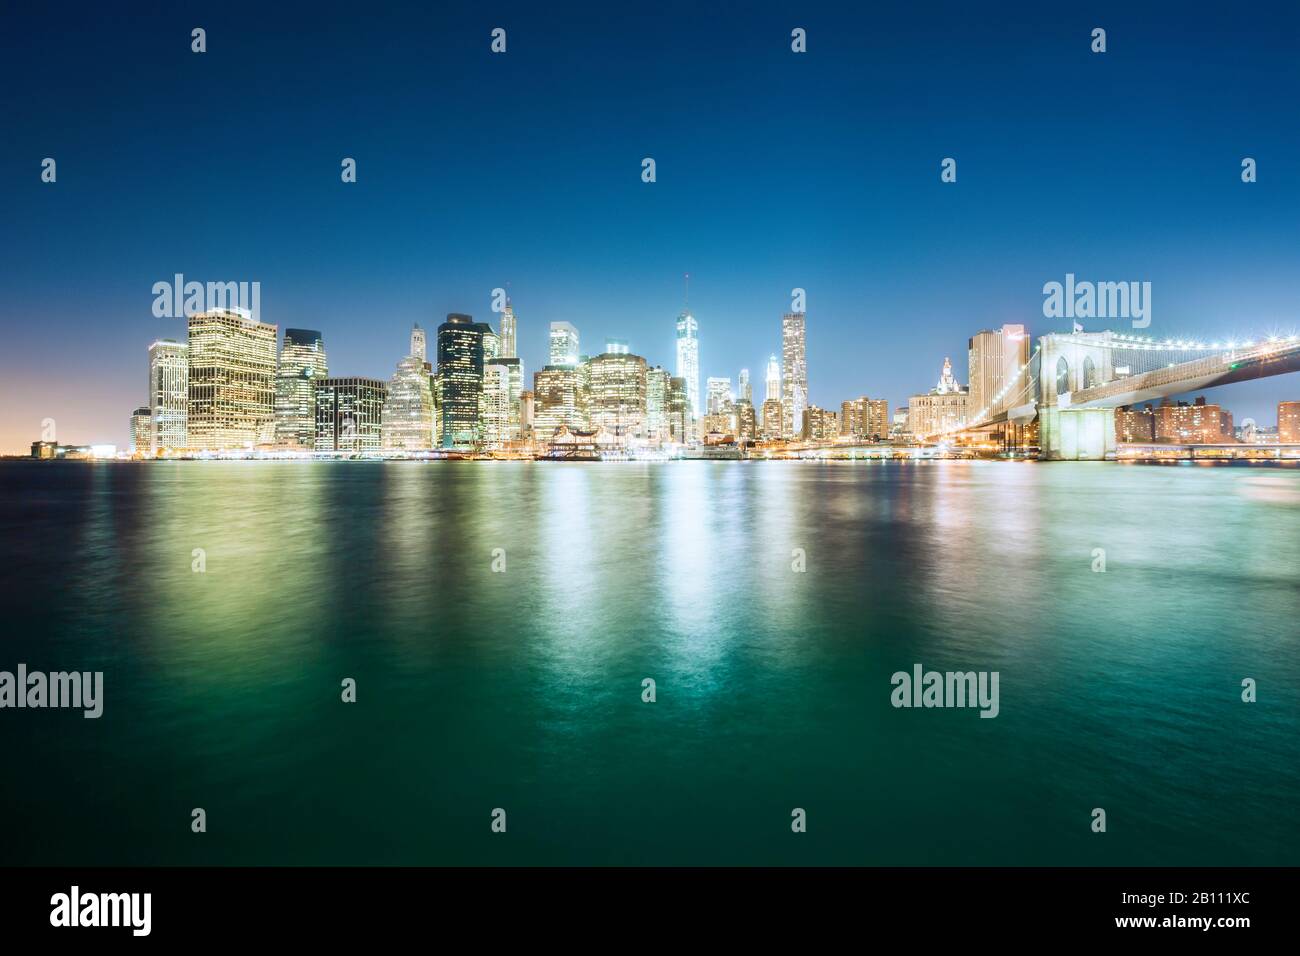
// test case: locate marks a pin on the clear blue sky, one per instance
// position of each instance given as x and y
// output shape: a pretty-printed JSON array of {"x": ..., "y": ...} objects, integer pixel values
[{"x": 775, "y": 170}]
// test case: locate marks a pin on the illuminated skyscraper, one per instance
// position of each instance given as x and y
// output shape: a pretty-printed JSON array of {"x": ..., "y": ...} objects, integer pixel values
[
  {"x": 169, "y": 377},
  {"x": 559, "y": 398},
  {"x": 657, "y": 383},
  {"x": 462, "y": 345},
  {"x": 508, "y": 342},
  {"x": 746, "y": 393},
  {"x": 514, "y": 368},
  {"x": 994, "y": 359},
  {"x": 499, "y": 408},
  {"x": 564, "y": 344},
  {"x": 419, "y": 346},
  {"x": 773, "y": 383},
  {"x": 720, "y": 408},
  {"x": 719, "y": 396},
  {"x": 794, "y": 371},
  {"x": 746, "y": 421},
  {"x": 231, "y": 381},
  {"x": 527, "y": 406},
  {"x": 618, "y": 394},
  {"x": 773, "y": 422},
  {"x": 679, "y": 411},
  {"x": 406, "y": 422},
  {"x": 688, "y": 360},
  {"x": 494, "y": 404},
  {"x": 302, "y": 365},
  {"x": 349, "y": 414}
]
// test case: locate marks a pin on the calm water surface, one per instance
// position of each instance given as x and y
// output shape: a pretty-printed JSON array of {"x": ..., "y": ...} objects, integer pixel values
[{"x": 522, "y": 689}]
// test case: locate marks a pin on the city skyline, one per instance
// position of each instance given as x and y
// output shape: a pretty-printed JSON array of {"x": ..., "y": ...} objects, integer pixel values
[
  {"x": 899, "y": 268},
  {"x": 474, "y": 395}
]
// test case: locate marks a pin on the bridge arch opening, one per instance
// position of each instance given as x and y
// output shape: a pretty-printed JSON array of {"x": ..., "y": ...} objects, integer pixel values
[
  {"x": 1062, "y": 376},
  {"x": 1090, "y": 377}
]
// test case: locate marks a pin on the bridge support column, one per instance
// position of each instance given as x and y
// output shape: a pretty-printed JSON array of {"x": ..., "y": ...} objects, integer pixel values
[{"x": 1076, "y": 434}]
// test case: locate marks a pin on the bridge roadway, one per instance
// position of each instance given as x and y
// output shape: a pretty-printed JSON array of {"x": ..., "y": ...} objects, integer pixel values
[{"x": 1226, "y": 368}]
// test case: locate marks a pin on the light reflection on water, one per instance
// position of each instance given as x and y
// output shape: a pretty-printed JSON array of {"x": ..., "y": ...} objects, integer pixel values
[{"x": 479, "y": 688}]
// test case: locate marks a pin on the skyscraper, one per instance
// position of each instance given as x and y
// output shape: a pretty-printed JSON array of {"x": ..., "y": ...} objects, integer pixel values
[
  {"x": 231, "y": 381},
  {"x": 494, "y": 404},
  {"x": 746, "y": 421},
  {"x": 302, "y": 365},
  {"x": 618, "y": 394},
  {"x": 746, "y": 393},
  {"x": 527, "y": 407},
  {"x": 773, "y": 426},
  {"x": 794, "y": 372},
  {"x": 994, "y": 358},
  {"x": 461, "y": 350},
  {"x": 564, "y": 344},
  {"x": 503, "y": 388},
  {"x": 688, "y": 360},
  {"x": 169, "y": 377},
  {"x": 679, "y": 412},
  {"x": 406, "y": 421},
  {"x": 349, "y": 414},
  {"x": 719, "y": 396},
  {"x": 657, "y": 384},
  {"x": 419, "y": 347},
  {"x": 773, "y": 383},
  {"x": 559, "y": 398},
  {"x": 508, "y": 343}
]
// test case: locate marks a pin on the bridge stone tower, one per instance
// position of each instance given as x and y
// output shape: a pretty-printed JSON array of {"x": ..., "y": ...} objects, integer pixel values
[{"x": 1070, "y": 362}]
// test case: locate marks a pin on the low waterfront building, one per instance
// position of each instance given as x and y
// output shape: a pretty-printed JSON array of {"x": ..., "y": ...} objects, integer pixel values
[
  {"x": 1288, "y": 421},
  {"x": 819, "y": 424},
  {"x": 142, "y": 431},
  {"x": 1196, "y": 424},
  {"x": 865, "y": 419},
  {"x": 1134, "y": 424}
]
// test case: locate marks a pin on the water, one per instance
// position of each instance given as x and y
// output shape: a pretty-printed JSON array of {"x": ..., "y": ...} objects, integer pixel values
[{"x": 522, "y": 689}]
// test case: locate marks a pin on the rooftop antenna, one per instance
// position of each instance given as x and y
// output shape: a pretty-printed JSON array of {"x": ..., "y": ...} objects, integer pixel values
[
  {"x": 688, "y": 292},
  {"x": 507, "y": 293}
]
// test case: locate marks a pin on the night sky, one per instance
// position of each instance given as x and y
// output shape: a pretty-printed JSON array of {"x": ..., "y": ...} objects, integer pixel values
[{"x": 775, "y": 170}]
